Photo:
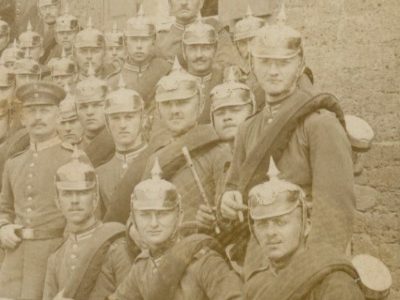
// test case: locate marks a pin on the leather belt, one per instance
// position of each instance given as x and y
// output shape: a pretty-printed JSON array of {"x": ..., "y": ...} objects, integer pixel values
[{"x": 39, "y": 234}]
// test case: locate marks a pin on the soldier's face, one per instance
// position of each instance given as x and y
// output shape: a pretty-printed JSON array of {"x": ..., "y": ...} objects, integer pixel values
[
  {"x": 139, "y": 48},
  {"x": 4, "y": 126},
  {"x": 277, "y": 76},
  {"x": 65, "y": 38},
  {"x": 125, "y": 128},
  {"x": 156, "y": 226},
  {"x": 115, "y": 55},
  {"x": 243, "y": 47},
  {"x": 49, "y": 13},
  {"x": 180, "y": 115},
  {"x": 91, "y": 115},
  {"x": 4, "y": 40},
  {"x": 227, "y": 120},
  {"x": 70, "y": 131},
  {"x": 65, "y": 79},
  {"x": 185, "y": 10},
  {"x": 21, "y": 79},
  {"x": 279, "y": 237},
  {"x": 200, "y": 58},
  {"x": 86, "y": 55},
  {"x": 77, "y": 206},
  {"x": 35, "y": 52},
  {"x": 40, "y": 121}
]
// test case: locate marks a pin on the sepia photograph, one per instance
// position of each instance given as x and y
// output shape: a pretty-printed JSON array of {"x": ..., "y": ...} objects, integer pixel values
[{"x": 199, "y": 150}]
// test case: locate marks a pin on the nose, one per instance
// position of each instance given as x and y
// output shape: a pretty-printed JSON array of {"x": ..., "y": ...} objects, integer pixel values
[
  {"x": 174, "y": 108},
  {"x": 199, "y": 51},
  {"x": 74, "y": 198},
  {"x": 273, "y": 69},
  {"x": 67, "y": 127},
  {"x": 89, "y": 110},
  {"x": 154, "y": 221},
  {"x": 270, "y": 230}
]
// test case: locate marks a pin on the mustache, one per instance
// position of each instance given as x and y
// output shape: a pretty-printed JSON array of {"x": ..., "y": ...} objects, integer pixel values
[
  {"x": 200, "y": 59},
  {"x": 38, "y": 123}
]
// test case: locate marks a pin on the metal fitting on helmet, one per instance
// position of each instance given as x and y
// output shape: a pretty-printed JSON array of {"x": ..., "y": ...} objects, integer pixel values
[
  {"x": 76, "y": 175},
  {"x": 91, "y": 89},
  {"x": 12, "y": 54},
  {"x": 114, "y": 38},
  {"x": 6, "y": 76},
  {"x": 27, "y": 66},
  {"x": 231, "y": 93},
  {"x": 62, "y": 66},
  {"x": 200, "y": 33},
  {"x": 68, "y": 111},
  {"x": 277, "y": 41},
  {"x": 123, "y": 100},
  {"x": 29, "y": 38},
  {"x": 155, "y": 193},
  {"x": 89, "y": 37},
  {"x": 247, "y": 27},
  {"x": 140, "y": 26},
  {"x": 66, "y": 22}
]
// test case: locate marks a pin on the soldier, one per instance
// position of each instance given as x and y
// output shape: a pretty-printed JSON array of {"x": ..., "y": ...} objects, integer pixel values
[
  {"x": 173, "y": 267},
  {"x": 304, "y": 133},
  {"x": 89, "y": 48},
  {"x": 115, "y": 48},
  {"x": 199, "y": 45},
  {"x": 280, "y": 223},
  {"x": 31, "y": 226},
  {"x": 48, "y": 11},
  {"x": 72, "y": 270},
  {"x": 142, "y": 69},
  {"x": 66, "y": 28},
  {"x": 32, "y": 43},
  {"x": 169, "y": 44},
  {"x": 69, "y": 128},
  {"x": 124, "y": 112},
  {"x": 4, "y": 35},
  {"x": 26, "y": 70},
  {"x": 63, "y": 71},
  {"x": 90, "y": 97}
]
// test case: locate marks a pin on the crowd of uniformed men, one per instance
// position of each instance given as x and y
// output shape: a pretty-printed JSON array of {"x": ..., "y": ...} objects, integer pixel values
[{"x": 126, "y": 175}]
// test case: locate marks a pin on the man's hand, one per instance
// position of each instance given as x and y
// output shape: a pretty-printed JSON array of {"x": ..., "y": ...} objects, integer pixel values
[
  {"x": 232, "y": 206},
  {"x": 8, "y": 237},
  {"x": 205, "y": 217}
]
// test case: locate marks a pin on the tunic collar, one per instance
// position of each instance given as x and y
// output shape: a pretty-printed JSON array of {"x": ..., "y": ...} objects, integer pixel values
[
  {"x": 37, "y": 147},
  {"x": 136, "y": 68},
  {"x": 127, "y": 157},
  {"x": 87, "y": 233}
]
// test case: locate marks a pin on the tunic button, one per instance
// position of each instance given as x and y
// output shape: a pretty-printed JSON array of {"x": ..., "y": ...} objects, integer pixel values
[
  {"x": 35, "y": 154},
  {"x": 29, "y": 198},
  {"x": 74, "y": 246},
  {"x": 30, "y": 175},
  {"x": 31, "y": 164},
  {"x": 17, "y": 11},
  {"x": 73, "y": 256},
  {"x": 29, "y": 210},
  {"x": 29, "y": 187},
  {"x": 73, "y": 268}
]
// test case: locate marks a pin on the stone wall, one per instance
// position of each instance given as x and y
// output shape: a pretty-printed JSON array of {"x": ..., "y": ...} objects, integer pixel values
[{"x": 353, "y": 48}]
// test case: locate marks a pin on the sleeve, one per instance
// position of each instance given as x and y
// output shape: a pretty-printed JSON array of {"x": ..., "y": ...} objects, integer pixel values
[
  {"x": 128, "y": 289},
  {"x": 239, "y": 155},
  {"x": 50, "y": 283},
  {"x": 7, "y": 213},
  {"x": 116, "y": 266},
  {"x": 332, "y": 180},
  {"x": 217, "y": 280}
]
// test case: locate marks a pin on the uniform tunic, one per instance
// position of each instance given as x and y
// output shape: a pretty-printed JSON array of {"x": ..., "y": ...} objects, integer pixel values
[
  {"x": 28, "y": 198},
  {"x": 207, "y": 277},
  {"x": 111, "y": 173},
  {"x": 208, "y": 164},
  {"x": 114, "y": 270},
  {"x": 100, "y": 149},
  {"x": 141, "y": 79},
  {"x": 318, "y": 158},
  {"x": 68, "y": 259}
]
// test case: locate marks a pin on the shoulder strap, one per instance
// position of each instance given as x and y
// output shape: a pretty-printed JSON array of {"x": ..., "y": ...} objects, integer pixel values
[
  {"x": 101, "y": 149},
  {"x": 304, "y": 273},
  {"x": 278, "y": 132},
  {"x": 174, "y": 264},
  {"x": 81, "y": 284}
]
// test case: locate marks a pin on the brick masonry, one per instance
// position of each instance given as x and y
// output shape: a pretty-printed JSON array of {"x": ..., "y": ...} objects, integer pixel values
[{"x": 353, "y": 48}]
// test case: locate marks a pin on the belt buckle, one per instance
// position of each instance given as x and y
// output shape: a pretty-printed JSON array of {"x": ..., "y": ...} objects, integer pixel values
[{"x": 28, "y": 234}]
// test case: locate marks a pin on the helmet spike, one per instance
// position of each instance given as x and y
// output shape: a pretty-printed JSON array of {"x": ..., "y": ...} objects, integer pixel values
[
  {"x": 231, "y": 77},
  {"x": 140, "y": 12},
  {"x": 29, "y": 26},
  {"x": 281, "y": 17},
  {"x": 199, "y": 17},
  {"x": 121, "y": 82},
  {"x": 176, "y": 66},
  {"x": 249, "y": 12},
  {"x": 67, "y": 89},
  {"x": 27, "y": 53},
  {"x": 15, "y": 45},
  {"x": 89, "y": 23},
  {"x": 156, "y": 170},
  {"x": 63, "y": 54},
  {"x": 273, "y": 170},
  {"x": 66, "y": 9},
  {"x": 75, "y": 153}
]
